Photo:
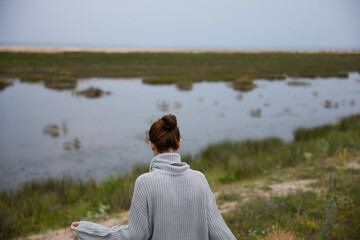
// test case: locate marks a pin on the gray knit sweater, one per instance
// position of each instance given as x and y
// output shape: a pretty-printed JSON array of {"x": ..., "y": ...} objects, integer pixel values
[{"x": 172, "y": 202}]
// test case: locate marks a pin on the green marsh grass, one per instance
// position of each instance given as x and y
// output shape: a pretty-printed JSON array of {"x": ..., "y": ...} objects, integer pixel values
[
  {"x": 239, "y": 160},
  {"x": 304, "y": 212},
  {"x": 55, "y": 203},
  {"x": 4, "y": 85},
  {"x": 160, "y": 68}
]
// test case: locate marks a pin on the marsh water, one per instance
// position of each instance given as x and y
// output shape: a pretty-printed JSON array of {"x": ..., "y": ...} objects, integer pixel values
[{"x": 55, "y": 133}]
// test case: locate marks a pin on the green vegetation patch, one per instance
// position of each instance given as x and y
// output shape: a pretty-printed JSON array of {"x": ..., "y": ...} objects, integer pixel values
[
  {"x": 308, "y": 214},
  {"x": 157, "y": 68},
  {"x": 4, "y": 85},
  {"x": 54, "y": 203},
  {"x": 229, "y": 161}
]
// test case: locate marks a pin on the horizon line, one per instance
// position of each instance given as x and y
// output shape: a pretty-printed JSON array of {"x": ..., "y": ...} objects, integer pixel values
[{"x": 60, "y": 49}]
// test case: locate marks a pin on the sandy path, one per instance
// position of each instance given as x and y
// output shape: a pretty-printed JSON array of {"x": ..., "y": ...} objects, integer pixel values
[
  {"x": 279, "y": 189},
  {"x": 67, "y": 234}
]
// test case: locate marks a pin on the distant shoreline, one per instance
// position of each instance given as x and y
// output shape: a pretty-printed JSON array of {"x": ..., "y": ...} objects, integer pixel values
[{"x": 151, "y": 50}]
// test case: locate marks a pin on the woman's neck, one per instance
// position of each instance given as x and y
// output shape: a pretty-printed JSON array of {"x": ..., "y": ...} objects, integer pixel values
[{"x": 170, "y": 150}]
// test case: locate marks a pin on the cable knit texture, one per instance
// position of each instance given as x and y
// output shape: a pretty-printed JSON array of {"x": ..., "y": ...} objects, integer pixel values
[{"x": 172, "y": 202}]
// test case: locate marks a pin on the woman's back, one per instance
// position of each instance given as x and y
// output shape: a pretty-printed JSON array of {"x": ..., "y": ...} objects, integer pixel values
[
  {"x": 171, "y": 201},
  {"x": 176, "y": 199}
]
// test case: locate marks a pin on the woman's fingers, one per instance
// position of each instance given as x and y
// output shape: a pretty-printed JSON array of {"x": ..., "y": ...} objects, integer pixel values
[{"x": 74, "y": 226}]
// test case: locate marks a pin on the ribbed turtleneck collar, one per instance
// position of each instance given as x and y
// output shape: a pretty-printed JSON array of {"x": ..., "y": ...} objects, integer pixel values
[{"x": 169, "y": 162}]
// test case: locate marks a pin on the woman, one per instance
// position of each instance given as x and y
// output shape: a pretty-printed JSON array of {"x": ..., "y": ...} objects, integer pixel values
[{"x": 171, "y": 201}]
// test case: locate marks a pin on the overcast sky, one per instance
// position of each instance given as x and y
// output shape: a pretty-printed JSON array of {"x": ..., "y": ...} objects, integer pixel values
[{"x": 194, "y": 24}]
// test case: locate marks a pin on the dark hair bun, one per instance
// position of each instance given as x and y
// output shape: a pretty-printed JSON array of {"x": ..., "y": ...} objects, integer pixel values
[{"x": 169, "y": 121}]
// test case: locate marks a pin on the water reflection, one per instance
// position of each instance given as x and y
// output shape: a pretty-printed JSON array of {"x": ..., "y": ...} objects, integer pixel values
[
  {"x": 52, "y": 130},
  {"x": 255, "y": 112},
  {"x": 298, "y": 83},
  {"x": 162, "y": 105},
  {"x": 243, "y": 85},
  {"x": 73, "y": 144},
  {"x": 63, "y": 84},
  {"x": 184, "y": 86},
  {"x": 82, "y": 137},
  {"x": 91, "y": 92}
]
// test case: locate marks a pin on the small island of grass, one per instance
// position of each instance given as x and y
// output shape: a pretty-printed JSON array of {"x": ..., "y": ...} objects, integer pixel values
[{"x": 91, "y": 92}]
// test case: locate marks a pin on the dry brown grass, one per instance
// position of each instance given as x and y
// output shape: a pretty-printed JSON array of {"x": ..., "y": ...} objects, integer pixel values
[{"x": 280, "y": 234}]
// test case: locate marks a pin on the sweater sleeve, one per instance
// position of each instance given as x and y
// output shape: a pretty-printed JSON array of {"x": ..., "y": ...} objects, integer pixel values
[
  {"x": 218, "y": 230},
  {"x": 138, "y": 227}
]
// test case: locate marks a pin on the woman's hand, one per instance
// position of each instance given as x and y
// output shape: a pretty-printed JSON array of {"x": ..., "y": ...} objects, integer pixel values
[{"x": 74, "y": 226}]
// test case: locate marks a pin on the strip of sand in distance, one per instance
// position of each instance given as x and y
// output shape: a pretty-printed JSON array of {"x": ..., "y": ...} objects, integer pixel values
[{"x": 31, "y": 49}]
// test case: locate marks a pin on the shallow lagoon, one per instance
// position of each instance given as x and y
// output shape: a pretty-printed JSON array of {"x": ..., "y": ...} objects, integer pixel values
[{"x": 111, "y": 130}]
